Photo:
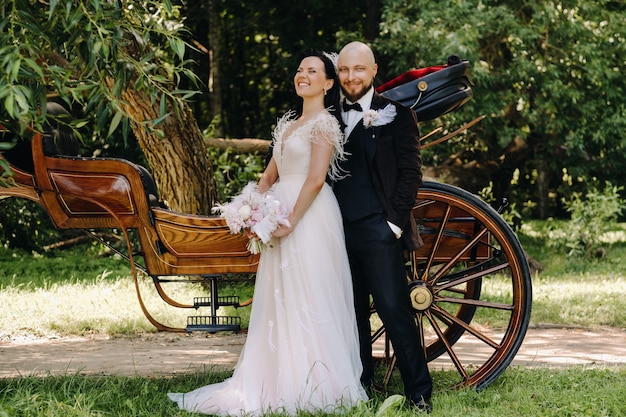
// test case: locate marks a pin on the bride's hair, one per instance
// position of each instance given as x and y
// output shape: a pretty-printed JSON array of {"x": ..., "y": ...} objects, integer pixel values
[{"x": 331, "y": 99}]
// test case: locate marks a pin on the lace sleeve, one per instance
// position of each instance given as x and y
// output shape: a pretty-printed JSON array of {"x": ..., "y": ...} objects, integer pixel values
[{"x": 326, "y": 128}]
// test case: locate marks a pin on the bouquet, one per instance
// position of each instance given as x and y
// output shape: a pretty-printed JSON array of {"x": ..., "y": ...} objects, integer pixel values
[{"x": 254, "y": 212}]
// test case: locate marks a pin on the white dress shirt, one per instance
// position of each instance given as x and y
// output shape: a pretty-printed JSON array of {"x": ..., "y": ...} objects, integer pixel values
[{"x": 352, "y": 117}]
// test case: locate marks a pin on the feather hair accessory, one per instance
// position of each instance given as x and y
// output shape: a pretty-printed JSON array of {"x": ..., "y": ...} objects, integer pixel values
[{"x": 333, "y": 56}]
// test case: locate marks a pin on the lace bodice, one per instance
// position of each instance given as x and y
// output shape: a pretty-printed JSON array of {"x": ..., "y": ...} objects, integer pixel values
[{"x": 293, "y": 153}]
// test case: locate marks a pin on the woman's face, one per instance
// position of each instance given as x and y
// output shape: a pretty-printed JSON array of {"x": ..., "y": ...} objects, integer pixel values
[{"x": 310, "y": 79}]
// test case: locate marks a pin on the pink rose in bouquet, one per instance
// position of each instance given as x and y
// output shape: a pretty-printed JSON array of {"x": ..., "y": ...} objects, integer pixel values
[{"x": 252, "y": 211}]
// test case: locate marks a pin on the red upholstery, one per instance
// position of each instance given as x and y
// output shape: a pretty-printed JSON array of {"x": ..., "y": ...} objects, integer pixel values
[{"x": 408, "y": 76}]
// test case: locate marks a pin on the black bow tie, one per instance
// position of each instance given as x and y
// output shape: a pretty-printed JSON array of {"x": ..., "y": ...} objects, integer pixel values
[{"x": 347, "y": 107}]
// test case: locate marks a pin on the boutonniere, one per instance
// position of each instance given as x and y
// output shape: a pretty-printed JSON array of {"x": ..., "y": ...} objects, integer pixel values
[{"x": 379, "y": 117}]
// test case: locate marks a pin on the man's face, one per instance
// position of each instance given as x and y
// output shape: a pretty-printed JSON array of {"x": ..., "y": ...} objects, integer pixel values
[{"x": 356, "y": 73}]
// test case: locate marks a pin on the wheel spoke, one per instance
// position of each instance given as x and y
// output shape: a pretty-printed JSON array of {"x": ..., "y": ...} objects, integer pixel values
[
  {"x": 378, "y": 333},
  {"x": 420, "y": 326},
  {"x": 440, "y": 334},
  {"x": 455, "y": 259},
  {"x": 469, "y": 269},
  {"x": 471, "y": 277},
  {"x": 439, "y": 312},
  {"x": 438, "y": 240},
  {"x": 477, "y": 303}
]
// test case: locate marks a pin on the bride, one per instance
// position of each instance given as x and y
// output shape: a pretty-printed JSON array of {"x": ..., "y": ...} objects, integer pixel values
[{"x": 301, "y": 352}]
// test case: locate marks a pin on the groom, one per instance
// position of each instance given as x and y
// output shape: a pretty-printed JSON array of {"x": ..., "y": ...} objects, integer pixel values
[{"x": 376, "y": 198}]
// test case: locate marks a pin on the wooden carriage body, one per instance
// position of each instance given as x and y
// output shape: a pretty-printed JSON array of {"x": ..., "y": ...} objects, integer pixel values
[
  {"x": 113, "y": 193},
  {"x": 96, "y": 193}
]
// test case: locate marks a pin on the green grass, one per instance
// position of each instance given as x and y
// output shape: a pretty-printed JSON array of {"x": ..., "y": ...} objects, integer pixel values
[
  {"x": 542, "y": 239},
  {"x": 80, "y": 292},
  {"x": 574, "y": 290},
  {"x": 574, "y": 391},
  {"x": 83, "y": 290}
]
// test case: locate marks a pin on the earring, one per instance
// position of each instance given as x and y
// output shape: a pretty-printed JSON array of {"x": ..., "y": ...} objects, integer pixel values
[{"x": 325, "y": 91}]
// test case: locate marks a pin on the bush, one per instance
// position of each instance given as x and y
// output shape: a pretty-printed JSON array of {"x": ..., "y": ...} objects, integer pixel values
[
  {"x": 591, "y": 216},
  {"x": 233, "y": 171},
  {"x": 25, "y": 225}
]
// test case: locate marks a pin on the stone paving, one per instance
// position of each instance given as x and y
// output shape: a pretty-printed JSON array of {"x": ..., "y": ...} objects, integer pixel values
[{"x": 164, "y": 354}]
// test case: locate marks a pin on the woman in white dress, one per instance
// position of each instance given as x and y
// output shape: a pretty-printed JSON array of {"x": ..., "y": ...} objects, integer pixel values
[{"x": 301, "y": 352}]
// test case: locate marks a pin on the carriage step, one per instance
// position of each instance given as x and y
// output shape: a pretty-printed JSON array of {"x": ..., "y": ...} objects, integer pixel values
[
  {"x": 213, "y": 324},
  {"x": 229, "y": 300}
]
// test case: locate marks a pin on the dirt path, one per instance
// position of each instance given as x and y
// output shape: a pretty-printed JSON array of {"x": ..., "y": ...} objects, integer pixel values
[{"x": 165, "y": 354}]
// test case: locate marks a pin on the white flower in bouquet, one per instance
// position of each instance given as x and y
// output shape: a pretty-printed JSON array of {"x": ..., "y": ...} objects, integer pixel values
[
  {"x": 245, "y": 211},
  {"x": 252, "y": 211}
]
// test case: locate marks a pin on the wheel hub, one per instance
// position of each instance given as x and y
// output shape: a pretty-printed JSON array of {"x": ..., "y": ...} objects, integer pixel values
[{"x": 421, "y": 296}]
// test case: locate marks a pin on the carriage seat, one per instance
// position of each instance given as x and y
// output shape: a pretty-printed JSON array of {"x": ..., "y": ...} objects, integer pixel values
[
  {"x": 59, "y": 144},
  {"x": 149, "y": 185},
  {"x": 432, "y": 91}
]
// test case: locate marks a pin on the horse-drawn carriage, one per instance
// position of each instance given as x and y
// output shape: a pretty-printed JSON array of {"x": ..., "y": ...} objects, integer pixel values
[{"x": 470, "y": 281}]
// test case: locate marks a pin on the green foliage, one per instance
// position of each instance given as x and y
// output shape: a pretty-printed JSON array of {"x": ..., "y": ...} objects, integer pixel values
[
  {"x": 233, "y": 171},
  {"x": 547, "y": 74},
  {"x": 87, "y": 54},
  {"x": 508, "y": 211},
  {"x": 257, "y": 44},
  {"x": 591, "y": 216},
  {"x": 572, "y": 290},
  {"x": 30, "y": 270},
  {"x": 24, "y": 225}
]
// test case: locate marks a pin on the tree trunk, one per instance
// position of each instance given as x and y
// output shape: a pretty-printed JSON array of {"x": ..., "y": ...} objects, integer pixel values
[
  {"x": 372, "y": 20},
  {"x": 215, "y": 77},
  {"x": 179, "y": 161}
]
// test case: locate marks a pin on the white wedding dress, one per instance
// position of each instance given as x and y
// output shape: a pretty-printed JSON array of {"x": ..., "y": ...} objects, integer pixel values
[{"x": 301, "y": 352}]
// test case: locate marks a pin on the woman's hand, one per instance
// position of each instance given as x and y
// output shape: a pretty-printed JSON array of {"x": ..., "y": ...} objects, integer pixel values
[{"x": 282, "y": 231}]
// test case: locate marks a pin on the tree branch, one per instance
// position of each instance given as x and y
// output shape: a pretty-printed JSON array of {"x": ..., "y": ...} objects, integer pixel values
[{"x": 239, "y": 146}]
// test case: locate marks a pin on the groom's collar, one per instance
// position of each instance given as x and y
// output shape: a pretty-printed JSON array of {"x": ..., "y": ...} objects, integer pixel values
[{"x": 378, "y": 101}]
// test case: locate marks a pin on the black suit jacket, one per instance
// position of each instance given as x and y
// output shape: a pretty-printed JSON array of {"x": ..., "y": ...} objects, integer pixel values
[{"x": 396, "y": 167}]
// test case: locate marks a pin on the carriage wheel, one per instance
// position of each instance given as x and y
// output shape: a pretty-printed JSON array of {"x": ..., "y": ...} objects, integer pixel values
[{"x": 469, "y": 285}]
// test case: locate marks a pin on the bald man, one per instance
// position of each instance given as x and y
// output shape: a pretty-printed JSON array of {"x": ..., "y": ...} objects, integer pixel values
[{"x": 376, "y": 199}]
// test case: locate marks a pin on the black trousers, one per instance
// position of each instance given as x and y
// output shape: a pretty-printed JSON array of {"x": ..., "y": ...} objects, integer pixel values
[{"x": 377, "y": 263}]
